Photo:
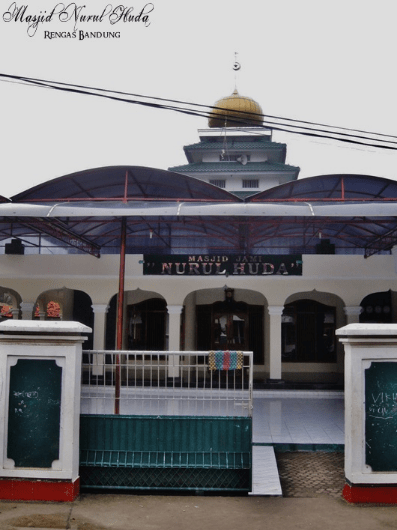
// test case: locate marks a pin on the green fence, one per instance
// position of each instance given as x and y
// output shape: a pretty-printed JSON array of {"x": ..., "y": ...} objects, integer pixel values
[{"x": 166, "y": 452}]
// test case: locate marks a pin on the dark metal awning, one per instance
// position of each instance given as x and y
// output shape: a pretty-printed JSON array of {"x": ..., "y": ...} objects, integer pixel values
[{"x": 171, "y": 213}]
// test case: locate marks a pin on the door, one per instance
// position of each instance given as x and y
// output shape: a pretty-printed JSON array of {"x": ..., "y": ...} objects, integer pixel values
[
  {"x": 229, "y": 331},
  {"x": 233, "y": 326}
]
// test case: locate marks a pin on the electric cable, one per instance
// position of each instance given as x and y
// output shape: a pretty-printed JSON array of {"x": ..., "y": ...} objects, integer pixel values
[{"x": 301, "y": 127}]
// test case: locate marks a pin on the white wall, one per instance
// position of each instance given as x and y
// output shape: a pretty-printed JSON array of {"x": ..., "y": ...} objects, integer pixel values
[{"x": 347, "y": 279}]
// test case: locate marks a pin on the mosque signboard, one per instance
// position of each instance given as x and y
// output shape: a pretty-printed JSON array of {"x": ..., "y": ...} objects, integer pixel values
[{"x": 227, "y": 265}]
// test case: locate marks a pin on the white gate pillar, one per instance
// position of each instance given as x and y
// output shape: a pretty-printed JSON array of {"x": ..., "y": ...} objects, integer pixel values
[
  {"x": 370, "y": 412},
  {"x": 40, "y": 371}
]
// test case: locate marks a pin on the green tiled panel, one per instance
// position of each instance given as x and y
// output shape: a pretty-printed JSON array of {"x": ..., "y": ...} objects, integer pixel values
[
  {"x": 166, "y": 479},
  {"x": 165, "y": 433},
  {"x": 165, "y": 452}
]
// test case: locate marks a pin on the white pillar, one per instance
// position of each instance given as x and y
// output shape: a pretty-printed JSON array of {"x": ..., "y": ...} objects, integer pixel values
[
  {"x": 27, "y": 310},
  {"x": 174, "y": 338},
  {"x": 190, "y": 323},
  {"x": 100, "y": 311},
  {"x": 174, "y": 327},
  {"x": 98, "y": 361},
  {"x": 15, "y": 313},
  {"x": 353, "y": 314},
  {"x": 275, "y": 313}
]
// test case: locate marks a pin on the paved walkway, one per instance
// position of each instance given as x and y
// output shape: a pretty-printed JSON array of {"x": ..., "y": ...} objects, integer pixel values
[
  {"x": 298, "y": 417},
  {"x": 312, "y": 483},
  {"x": 136, "y": 512}
]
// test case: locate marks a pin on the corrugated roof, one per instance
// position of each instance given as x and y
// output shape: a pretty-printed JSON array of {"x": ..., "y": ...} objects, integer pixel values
[
  {"x": 235, "y": 145},
  {"x": 234, "y": 167},
  {"x": 341, "y": 186},
  {"x": 124, "y": 182}
]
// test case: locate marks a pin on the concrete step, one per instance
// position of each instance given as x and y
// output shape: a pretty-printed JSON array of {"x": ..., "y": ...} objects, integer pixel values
[{"x": 265, "y": 477}]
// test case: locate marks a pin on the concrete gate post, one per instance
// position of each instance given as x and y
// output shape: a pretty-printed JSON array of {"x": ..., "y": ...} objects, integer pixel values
[
  {"x": 370, "y": 412},
  {"x": 40, "y": 384}
]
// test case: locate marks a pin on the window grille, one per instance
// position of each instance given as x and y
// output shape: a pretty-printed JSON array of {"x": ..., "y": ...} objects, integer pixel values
[
  {"x": 218, "y": 182},
  {"x": 252, "y": 183}
]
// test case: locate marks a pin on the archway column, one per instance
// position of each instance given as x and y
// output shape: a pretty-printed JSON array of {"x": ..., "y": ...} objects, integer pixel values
[
  {"x": 275, "y": 314},
  {"x": 174, "y": 338},
  {"x": 98, "y": 361},
  {"x": 353, "y": 314},
  {"x": 27, "y": 310},
  {"x": 100, "y": 311}
]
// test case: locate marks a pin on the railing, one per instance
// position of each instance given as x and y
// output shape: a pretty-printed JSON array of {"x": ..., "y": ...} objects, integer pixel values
[{"x": 178, "y": 383}]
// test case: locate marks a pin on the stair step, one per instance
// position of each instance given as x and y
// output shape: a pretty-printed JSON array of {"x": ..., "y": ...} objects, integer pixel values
[{"x": 265, "y": 477}]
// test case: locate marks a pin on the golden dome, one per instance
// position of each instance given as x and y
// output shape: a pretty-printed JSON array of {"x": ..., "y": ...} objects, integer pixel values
[{"x": 236, "y": 111}]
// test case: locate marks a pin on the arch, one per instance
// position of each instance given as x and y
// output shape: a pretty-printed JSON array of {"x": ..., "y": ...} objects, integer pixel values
[
  {"x": 379, "y": 308},
  {"x": 323, "y": 297},
  {"x": 310, "y": 350},
  {"x": 74, "y": 305},
  {"x": 10, "y": 302},
  {"x": 308, "y": 332},
  {"x": 145, "y": 321}
]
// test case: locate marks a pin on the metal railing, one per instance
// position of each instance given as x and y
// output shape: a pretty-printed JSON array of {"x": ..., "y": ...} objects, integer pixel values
[{"x": 177, "y": 383}]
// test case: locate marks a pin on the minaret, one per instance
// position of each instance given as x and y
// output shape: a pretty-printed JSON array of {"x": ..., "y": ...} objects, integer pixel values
[{"x": 236, "y": 152}]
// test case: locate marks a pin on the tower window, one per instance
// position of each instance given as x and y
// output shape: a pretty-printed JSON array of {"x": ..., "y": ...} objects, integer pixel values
[
  {"x": 224, "y": 157},
  {"x": 218, "y": 182},
  {"x": 251, "y": 183}
]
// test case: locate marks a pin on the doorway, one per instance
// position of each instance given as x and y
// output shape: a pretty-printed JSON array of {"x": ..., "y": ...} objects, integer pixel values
[{"x": 230, "y": 325}]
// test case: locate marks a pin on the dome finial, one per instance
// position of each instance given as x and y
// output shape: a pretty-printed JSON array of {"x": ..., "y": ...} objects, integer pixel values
[
  {"x": 235, "y": 110},
  {"x": 236, "y": 68}
]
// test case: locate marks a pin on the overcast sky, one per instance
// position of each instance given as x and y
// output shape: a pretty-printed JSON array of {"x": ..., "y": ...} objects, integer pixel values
[{"x": 331, "y": 62}]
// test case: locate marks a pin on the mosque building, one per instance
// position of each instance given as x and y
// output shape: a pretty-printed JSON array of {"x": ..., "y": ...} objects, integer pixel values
[{"x": 230, "y": 251}]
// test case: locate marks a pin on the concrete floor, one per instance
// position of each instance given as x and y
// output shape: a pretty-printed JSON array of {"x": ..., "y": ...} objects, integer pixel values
[{"x": 146, "y": 512}]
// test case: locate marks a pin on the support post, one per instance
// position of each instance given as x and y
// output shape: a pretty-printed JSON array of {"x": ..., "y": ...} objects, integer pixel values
[
  {"x": 174, "y": 340},
  {"x": 98, "y": 361},
  {"x": 120, "y": 314},
  {"x": 27, "y": 310},
  {"x": 275, "y": 313},
  {"x": 353, "y": 314}
]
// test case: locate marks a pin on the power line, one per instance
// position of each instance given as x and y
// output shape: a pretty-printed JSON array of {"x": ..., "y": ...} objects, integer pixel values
[{"x": 288, "y": 125}]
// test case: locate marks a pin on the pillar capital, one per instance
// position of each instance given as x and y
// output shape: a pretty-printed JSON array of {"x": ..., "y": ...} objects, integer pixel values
[
  {"x": 352, "y": 310},
  {"x": 174, "y": 309},
  {"x": 100, "y": 308},
  {"x": 276, "y": 310},
  {"x": 27, "y": 306}
]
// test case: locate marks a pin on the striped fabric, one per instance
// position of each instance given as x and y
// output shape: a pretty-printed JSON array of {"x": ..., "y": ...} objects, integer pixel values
[{"x": 225, "y": 360}]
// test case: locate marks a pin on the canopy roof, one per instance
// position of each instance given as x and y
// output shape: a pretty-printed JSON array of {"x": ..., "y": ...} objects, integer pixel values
[
  {"x": 170, "y": 213},
  {"x": 332, "y": 187}
]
